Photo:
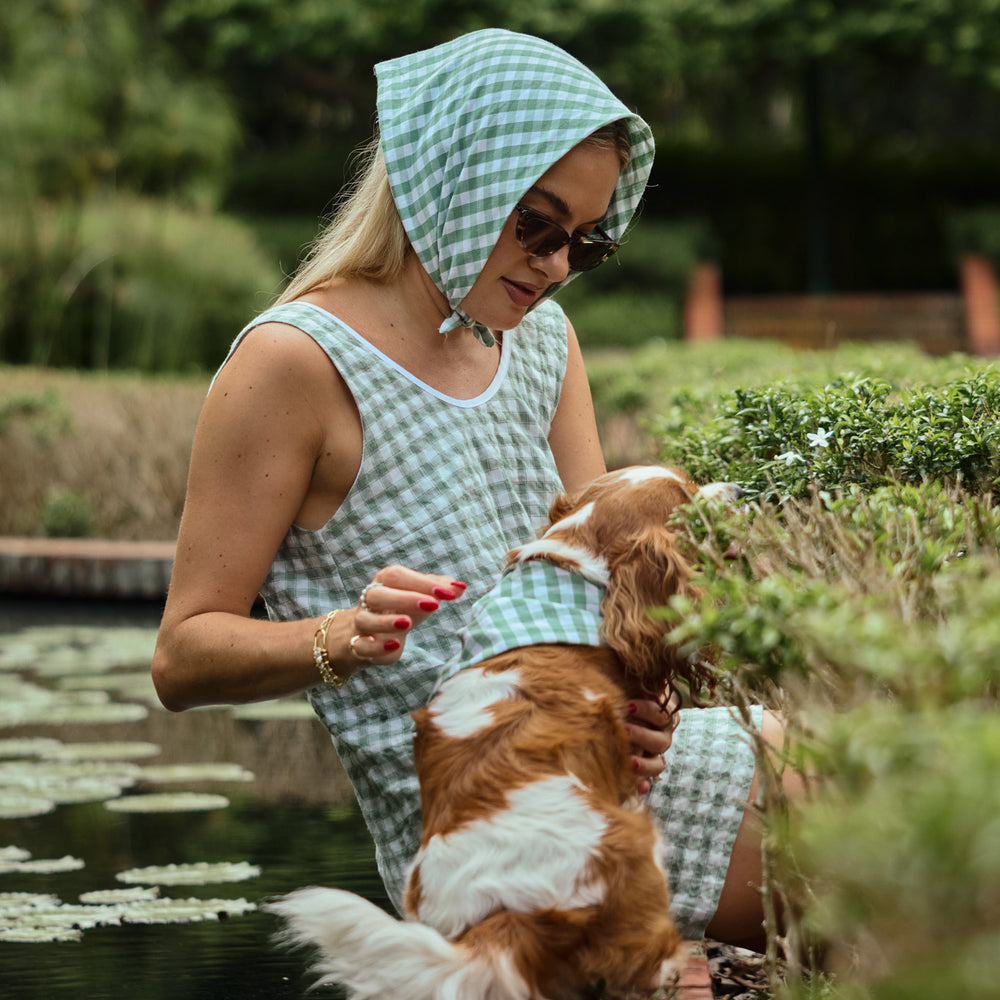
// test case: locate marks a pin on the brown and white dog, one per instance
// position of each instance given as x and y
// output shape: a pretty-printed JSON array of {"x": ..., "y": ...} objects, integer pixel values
[{"x": 539, "y": 873}]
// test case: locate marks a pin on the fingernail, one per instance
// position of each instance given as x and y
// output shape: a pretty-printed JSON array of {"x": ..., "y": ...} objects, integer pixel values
[
  {"x": 444, "y": 594},
  {"x": 459, "y": 584},
  {"x": 632, "y": 708},
  {"x": 635, "y": 763},
  {"x": 390, "y": 645},
  {"x": 401, "y": 623},
  {"x": 428, "y": 605},
  {"x": 628, "y": 729}
]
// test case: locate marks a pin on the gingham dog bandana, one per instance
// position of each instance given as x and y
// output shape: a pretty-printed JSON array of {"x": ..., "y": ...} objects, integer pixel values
[
  {"x": 468, "y": 126},
  {"x": 533, "y": 602}
]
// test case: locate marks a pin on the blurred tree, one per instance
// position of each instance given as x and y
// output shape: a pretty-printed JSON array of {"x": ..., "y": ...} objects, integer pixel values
[
  {"x": 885, "y": 63},
  {"x": 90, "y": 97},
  {"x": 758, "y": 105},
  {"x": 91, "y": 108},
  {"x": 306, "y": 65}
]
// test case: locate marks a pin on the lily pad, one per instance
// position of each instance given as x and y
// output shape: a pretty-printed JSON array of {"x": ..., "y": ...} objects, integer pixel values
[
  {"x": 104, "y": 897},
  {"x": 68, "y": 708},
  {"x": 19, "y": 804},
  {"x": 12, "y": 853},
  {"x": 198, "y": 873},
  {"x": 181, "y": 911},
  {"x": 15, "y": 902},
  {"x": 167, "y": 802},
  {"x": 79, "y": 649},
  {"x": 102, "y": 750},
  {"x": 283, "y": 708},
  {"x": 130, "y": 684},
  {"x": 39, "y": 935},
  {"x": 43, "y": 866},
  {"x": 39, "y": 775},
  {"x": 84, "y": 790},
  {"x": 36, "y": 746},
  {"x": 165, "y": 773}
]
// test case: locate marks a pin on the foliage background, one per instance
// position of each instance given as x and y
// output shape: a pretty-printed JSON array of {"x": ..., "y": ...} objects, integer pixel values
[
  {"x": 168, "y": 161},
  {"x": 165, "y": 162}
]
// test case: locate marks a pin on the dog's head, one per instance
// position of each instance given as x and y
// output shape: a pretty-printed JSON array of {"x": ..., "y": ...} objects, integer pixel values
[{"x": 614, "y": 531}]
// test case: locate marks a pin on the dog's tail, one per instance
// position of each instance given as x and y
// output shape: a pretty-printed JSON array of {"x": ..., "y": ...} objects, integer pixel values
[{"x": 375, "y": 955}]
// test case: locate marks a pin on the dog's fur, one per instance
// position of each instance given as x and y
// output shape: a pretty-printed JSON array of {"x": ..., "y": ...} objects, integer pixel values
[{"x": 539, "y": 873}]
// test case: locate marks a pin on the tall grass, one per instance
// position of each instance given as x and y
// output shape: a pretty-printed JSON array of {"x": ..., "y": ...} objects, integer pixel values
[
  {"x": 94, "y": 454},
  {"x": 126, "y": 282}
]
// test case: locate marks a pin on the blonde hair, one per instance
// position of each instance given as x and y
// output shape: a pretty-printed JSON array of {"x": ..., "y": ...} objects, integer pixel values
[
  {"x": 366, "y": 238},
  {"x": 615, "y": 135}
]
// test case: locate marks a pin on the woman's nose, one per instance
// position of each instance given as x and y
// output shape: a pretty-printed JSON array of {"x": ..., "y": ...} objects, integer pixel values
[{"x": 555, "y": 266}]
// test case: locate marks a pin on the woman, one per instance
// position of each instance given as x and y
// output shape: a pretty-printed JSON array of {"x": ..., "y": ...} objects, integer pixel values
[{"x": 375, "y": 443}]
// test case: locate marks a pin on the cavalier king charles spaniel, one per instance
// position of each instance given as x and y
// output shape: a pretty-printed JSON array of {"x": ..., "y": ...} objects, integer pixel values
[{"x": 539, "y": 874}]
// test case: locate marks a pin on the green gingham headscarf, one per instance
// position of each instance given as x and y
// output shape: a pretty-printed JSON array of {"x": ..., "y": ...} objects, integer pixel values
[{"x": 469, "y": 126}]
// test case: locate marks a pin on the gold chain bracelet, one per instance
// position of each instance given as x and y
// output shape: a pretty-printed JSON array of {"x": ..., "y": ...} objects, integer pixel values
[{"x": 321, "y": 656}]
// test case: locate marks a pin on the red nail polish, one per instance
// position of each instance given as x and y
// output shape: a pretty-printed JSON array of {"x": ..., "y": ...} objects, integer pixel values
[
  {"x": 390, "y": 645},
  {"x": 401, "y": 623},
  {"x": 459, "y": 584},
  {"x": 444, "y": 594},
  {"x": 632, "y": 708},
  {"x": 635, "y": 764},
  {"x": 428, "y": 605}
]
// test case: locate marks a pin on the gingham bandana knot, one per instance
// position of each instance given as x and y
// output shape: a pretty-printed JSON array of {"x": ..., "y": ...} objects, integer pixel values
[{"x": 469, "y": 126}]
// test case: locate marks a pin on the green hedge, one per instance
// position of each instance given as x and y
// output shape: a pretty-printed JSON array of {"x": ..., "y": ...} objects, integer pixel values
[{"x": 855, "y": 593}]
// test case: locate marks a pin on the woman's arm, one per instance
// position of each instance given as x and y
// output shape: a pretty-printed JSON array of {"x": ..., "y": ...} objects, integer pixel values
[
  {"x": 573, "y": 434},
  {"x": 279, "y": 438},
  {"x": 577, "y": 450}
]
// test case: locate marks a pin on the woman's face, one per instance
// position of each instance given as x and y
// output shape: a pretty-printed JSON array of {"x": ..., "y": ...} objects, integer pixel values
[{"x": 574, "y": 193}]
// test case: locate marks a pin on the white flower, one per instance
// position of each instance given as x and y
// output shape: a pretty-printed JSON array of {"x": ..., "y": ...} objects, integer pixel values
[
  {"x": 821, "y": 439},
  {"x": 788, "y": 457}
]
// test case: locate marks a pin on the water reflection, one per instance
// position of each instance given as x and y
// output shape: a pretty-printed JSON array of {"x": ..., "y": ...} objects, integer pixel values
[{"x": 296, "y": 821}]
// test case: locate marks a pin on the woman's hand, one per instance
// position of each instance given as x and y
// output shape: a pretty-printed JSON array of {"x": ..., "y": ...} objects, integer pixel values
[
  {"x": 395, "y": 602},
  {"x": 650, "y": 727}
]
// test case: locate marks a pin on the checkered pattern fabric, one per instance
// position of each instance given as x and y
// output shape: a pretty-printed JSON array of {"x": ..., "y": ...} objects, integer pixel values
[
  {"x": 534, "y": 602},
  {"x": 462, "y": 484},
  {"x": 468, "y": 126},
  {"x": 698, "y": 802},
  {"x": 446, "y": 486}
]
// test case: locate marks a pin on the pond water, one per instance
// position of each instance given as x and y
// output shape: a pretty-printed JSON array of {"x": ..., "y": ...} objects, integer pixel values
[{"x": 294, "y": 820}]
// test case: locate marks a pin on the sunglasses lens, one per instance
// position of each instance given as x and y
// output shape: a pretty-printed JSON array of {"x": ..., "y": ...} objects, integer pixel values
[
  {"x": 541, "y": 237},
  {"x": 587, "y": 256}
]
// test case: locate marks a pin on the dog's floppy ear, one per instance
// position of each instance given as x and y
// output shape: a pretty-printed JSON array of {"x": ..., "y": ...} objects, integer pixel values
[
  {"x": 645, "y": 576},
  {"x": 561, "y": 506}
]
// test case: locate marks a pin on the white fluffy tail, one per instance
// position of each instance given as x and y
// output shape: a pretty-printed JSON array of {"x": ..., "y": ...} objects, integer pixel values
[{"x": 375, "y": 955}]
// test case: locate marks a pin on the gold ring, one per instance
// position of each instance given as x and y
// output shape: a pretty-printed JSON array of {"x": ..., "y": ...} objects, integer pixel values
[{"x": 355, "y": 653}]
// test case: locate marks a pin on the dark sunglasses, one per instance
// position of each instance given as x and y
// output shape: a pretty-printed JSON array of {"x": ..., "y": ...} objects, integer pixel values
[{"x": 541, "y": 237}]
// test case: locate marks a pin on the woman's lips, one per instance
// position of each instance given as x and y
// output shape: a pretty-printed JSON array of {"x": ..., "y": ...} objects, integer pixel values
[{"x": 521, "y": 295}]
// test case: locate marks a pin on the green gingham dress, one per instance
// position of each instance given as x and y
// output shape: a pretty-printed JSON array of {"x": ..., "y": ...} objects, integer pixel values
[
  {"x": 448, "y": 485},
  {"x": 475, "y": 480}
]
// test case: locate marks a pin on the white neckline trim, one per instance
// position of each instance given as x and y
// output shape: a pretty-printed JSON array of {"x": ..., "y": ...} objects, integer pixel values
[{"x": 487, "y": 394}]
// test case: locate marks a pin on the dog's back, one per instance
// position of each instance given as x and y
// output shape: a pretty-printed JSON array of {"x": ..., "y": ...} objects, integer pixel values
[{"x": 532, "y": 831}]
